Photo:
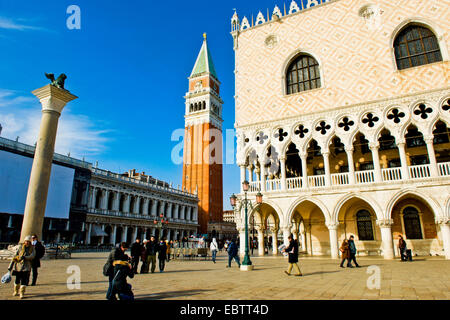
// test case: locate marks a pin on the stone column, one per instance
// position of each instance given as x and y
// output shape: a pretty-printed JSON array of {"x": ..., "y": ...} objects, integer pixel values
[
  {"x": 303, "y": 244},
  {"x": 104, "y": 200},
  {"x": 145, "y": 206},
  {"x": 112, "y": 239},
  {"x": 432, "y": 156},
  {"x": 402, "y": 153},
  {"x": 134, "y": 236},
  {"x": 286, "y": 234},
  {"x": 260, "y": 231},
  {"x": 263, "y": 178},
  {"x": 177, "y": 211},
  {"x": 183, "y": 213},
  {"x": 124, "y": 233},
  {"x": 274, "y": 241},
  {"x": 195, "y": 215},
  {"x": 242, "y": 176},
  {"x": 136, "y": 207},
  {"x": 376, "y": 162},
  {"x": 444, "y": 223},
  {"x": 88, "y": 233},
  {"x": 169, "y": 210},
  {"x": 154, "y": 204},
  {"x": 241, "y": 241},
  {"x": 189, "y": 214},
  {"x": 126, "y": 204},
  {"x": 162, "y": 210},
  {"x": 304, "y": 157},
  {"x": 250, "y": 173},
  {"x": 351, "y": 165},
  {"x": 92, "y": 193},
  {"x": 334, "y": 246},
  {"x": 116, "y": 201},
  {"x": 53, "y": 101},
  {"x": 386, "y": 237},
  {"x": 169, "y": 233},
  {"x": 326, "y": 163},
  {"x": 283, "y": 172}
]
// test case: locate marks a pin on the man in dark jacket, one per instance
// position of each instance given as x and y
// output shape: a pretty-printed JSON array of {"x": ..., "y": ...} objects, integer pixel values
[
  {"x": 119, "y": 284},
  {"x": 136, "y": 253},
  {"x": 151, "y": 248},
  {"x": 162, "y": 254},
  {"x": 352, "y": 253},
  {"x": 233, "y": 254},
  {"x": 117, "y": 253},
  {"x": 36, "y": 263},
  {"x": 292, "y": 250}
]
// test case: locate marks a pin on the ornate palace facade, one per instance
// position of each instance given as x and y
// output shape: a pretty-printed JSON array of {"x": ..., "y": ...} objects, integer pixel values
[{"x": 342, "y": 115}]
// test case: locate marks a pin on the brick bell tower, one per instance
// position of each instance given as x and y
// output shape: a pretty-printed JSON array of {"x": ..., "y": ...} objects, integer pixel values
[{"x": 202, "y": 154}]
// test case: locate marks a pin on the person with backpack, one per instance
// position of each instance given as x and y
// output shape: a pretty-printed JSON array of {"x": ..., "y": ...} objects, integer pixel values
[
  {"x": 119, "y": 285},
  {"x": 352, "y": 252},
  {"x": 345, "y": 252},
  {"x": 36, "y": 263},
  {"x": 233, "y": 254},
  {"x": 117, "y": 253}
]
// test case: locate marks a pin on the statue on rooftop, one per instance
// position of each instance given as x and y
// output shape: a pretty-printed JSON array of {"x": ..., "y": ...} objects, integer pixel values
[{"x": 59, "y": 82}]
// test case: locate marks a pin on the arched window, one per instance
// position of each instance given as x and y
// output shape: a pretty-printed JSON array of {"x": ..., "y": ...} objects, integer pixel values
[
  {"x": 302, "y": 75},
  {"x": 416, "y": 46},
  {"x": 411, "y": 222},
  {"x": 364, "y": 223}
]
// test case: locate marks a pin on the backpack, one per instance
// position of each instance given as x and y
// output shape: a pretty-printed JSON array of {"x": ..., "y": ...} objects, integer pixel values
[{"x": 108, "y": 268}]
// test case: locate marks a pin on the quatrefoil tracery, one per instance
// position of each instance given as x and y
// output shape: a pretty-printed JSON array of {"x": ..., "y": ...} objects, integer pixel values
[
  {"x": 422, "y": 111},
  {"x": 281, "y": 134},
  {"x": 261, "y": 137},
  {"x": 301, "y": 131},
  {"x": 323, "y": 127},
  {"x": 396, "y": 115},
  {"x": 346, "y": 124},
  {"x": 370, "y": 120}
]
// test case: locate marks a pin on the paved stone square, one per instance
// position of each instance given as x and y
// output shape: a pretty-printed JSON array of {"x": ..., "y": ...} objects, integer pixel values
[{"x": 424, "y": 278}]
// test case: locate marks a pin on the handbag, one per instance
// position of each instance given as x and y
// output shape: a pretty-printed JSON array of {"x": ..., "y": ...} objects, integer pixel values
[{"x": 7, "y": 277}]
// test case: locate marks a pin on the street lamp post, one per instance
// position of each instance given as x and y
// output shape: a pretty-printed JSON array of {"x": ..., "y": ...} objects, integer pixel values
[
  {"x": 160, "y": 224},
  {"x": 246, "y": 263}
]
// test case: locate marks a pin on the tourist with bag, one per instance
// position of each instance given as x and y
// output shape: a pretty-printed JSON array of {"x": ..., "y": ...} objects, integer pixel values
[
  {"x": 402, "y": 248},
  {"x": 108, "y": 268},
  {"x": 119, "y": 286},
  {"x": 292, "y": 250},
  {"x": 21, "y": 267}
]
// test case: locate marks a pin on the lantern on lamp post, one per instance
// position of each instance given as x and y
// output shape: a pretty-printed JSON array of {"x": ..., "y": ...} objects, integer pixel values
[
  {"x": 246, "y": 263},
  {"x": 160, "y": 224}
]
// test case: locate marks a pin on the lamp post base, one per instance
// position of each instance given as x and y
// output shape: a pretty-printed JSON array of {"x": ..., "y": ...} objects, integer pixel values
[{"x": 246, "y": 268}]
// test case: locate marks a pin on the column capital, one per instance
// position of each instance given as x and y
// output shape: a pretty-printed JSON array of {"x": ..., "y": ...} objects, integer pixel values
[
  {"x": 286, "y": 228},
  {"x": 442, "y": 221},
  {"x": 53, "y": 98},
  {"x": 283, "y": 157},
  {"x": 429, "y": 139},
  {"x": 332, "y": 225},
  {"x": 385, "y": 223},
  {"x": 374, "y": 145},
  {"x": 303, "y": 155},
  {"x": 349, "y": 149}
]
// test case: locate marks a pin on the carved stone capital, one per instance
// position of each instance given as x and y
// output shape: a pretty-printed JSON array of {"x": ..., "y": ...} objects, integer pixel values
[
  {"x": 385, "y": 223},
  {"x": 442, "y": 221},
  {"x": 332, "y": 225}
]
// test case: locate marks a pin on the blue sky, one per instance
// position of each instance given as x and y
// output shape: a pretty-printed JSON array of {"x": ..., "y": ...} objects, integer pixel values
[{"x": 128, "y": 65}]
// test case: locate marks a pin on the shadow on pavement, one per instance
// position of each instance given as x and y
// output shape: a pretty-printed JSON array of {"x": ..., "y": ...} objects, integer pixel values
[{"x": 169, "y": 295}]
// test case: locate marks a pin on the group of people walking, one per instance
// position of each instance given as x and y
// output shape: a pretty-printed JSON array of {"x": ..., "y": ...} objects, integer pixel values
[
  {"x": 348, "y": 250},
  {"x": 26, "y": 261}
]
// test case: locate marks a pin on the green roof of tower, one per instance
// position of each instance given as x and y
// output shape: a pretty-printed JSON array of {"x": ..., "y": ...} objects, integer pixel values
[{"x": 204, "y": 63}]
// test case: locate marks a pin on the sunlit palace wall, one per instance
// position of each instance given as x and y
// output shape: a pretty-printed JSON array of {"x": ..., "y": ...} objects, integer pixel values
[{"x": 342, "y": 116}]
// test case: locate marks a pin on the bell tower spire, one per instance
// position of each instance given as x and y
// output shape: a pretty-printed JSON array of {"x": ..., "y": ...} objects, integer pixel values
[{"x": 202, "y": 154}]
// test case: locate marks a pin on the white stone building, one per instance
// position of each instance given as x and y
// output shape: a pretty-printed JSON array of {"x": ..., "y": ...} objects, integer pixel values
[
  {"x": 125, "y": 207},
  {"x": 342, "y": 115}
]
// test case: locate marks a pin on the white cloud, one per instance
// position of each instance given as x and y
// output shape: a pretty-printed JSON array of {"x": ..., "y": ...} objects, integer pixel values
[
  {"x": 21, "y": 116},
  {"x": 6, "y": 23}
]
